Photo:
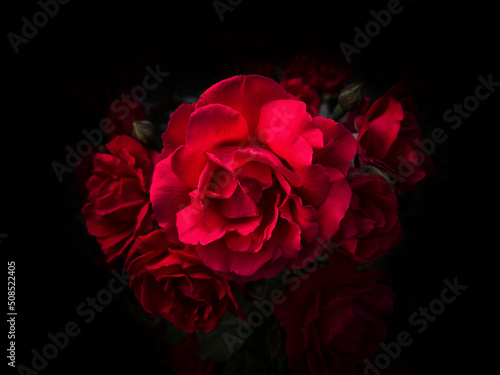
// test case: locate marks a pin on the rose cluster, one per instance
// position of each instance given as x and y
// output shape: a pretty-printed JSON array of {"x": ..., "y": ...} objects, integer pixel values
[{"x": 249, "y": 181}]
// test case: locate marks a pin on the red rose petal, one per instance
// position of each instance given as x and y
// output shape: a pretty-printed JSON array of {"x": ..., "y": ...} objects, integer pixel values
[
  {"x": 219, "y": 258},
  {"x": 281, "y": 115},
  {"x": 289, "y": 232},
  {"x": 208, "y": 127},
  {"x": 216, "y": 182},
  {"x": 175, "y": 135},
  {"x": 291, "y": 147},
  {"x": 215, "y": 124},
  {"x": 255, "y": 171},
  {"x": 168, "y": 196},
  {"x": 200, "y": 223},
  {"x": 245, "y": 94},
  {"x": 332, "y": 211},
  {"x": 340, "y": 145},
  {"x": 314, "y": 137},
  {"x": 381, "y": 129},
  {"x": 238, "y": 243},
  {"x": 305, "y": 217},
  {"x": 314, "y": 184},
  {"x": 233, "y": 158},
  {"x": 239, "y": 205}
]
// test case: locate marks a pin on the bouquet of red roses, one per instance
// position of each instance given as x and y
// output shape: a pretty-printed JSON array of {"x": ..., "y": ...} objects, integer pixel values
[{"x": 254, "y": 228}]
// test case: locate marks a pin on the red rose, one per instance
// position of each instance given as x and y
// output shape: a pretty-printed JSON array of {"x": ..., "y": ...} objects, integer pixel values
[
  {"x": 250, "y": 179},
  {"x": 371, "y": 226},
  {"x": 388, "y": 139},
  {"x": 119, "y": 209},
  {"x": 175, "y": 284},
  {"x": 333, "y": 321},
  {"x": 302, "y": 91},
  {"x": 183, "y": 358}
]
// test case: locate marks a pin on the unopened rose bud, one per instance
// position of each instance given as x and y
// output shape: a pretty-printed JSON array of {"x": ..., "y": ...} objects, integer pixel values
[
  {"x": 350, "y": 97},
  {"x": 338, "y": 112}
]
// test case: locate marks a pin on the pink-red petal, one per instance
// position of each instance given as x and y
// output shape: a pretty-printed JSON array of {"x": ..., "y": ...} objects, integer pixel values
[{"x": 245, "y": 94}]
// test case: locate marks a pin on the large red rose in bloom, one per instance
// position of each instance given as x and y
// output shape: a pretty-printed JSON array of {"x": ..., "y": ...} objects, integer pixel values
[
  {"x": 333, "y": 321},
  {"x": 174, "y": 284},
  {"x": 250, "y": 179},
  {"x": 371, "y": 226},
  {"x": 389, "y": 137},
  {"x": 119, "y": 208}
]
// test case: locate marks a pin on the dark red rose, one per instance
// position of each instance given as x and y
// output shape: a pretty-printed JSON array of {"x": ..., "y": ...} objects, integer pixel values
[
  {"x": 118, "y": 208},
  {"x": 123, "y": 113},
  {"x": 174, "y": 283},
  {"x": 183, "y": 358},
  {"x": 302, "y": 91},
  {"x": 250, "y": 179},
  {"x": 371, "y": 226},
  {"x": 333, "y": 320},
  {"x": 389, "y": 137},
  {"x": 322, "y": 73}
]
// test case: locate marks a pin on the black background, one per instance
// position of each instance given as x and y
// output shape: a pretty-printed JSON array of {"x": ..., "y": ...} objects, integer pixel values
[{"x": 63, "y": 80}]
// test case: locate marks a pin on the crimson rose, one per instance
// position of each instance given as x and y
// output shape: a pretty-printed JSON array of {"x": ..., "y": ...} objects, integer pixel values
[
  {"x": 250, "y": 179},
  {"x": 333, "y": 321},
  {"x": 119, "y": 209},
  {"x": 371, "y": 226},
  {"x": 175, "y": 284}
]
